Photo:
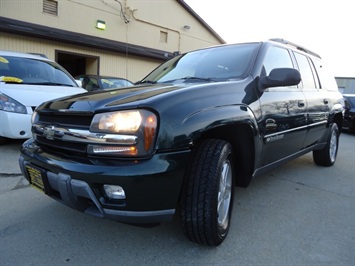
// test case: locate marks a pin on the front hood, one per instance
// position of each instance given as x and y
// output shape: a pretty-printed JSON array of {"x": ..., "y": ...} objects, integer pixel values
[
  {"x": 34, "y": 95},
  {"x": 159, "y": 96},
  {"x": 107, "y": 99}
]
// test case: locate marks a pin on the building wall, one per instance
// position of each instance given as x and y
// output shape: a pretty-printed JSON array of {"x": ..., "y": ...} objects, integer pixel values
[
  {"x": 151, "y": 17},
  {"x": 346, "y": 85},
  {"x": 111, "y": 64},
  {"x": 157, "y": 24}
]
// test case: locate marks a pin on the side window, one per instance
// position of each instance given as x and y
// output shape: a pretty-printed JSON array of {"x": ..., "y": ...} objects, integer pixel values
[
  {"x": 306, "y": 71},
  {"x": 90, "y": 84},
  {"x": 276, "y": 57},
  {"x": 327, "y": 80},
  {"x": 315, "y": 75}
]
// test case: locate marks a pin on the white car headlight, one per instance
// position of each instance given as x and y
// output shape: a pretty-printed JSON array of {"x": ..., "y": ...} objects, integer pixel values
[
  {"x": 34, "y": 117},
  {"x": 10, "y": 105},
  {"x": 139, "y": 123}
]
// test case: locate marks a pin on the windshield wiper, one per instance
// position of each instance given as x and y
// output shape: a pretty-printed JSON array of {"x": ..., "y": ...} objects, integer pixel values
[
  {"x": 199, "y": 78},
  {"x": 49, "y": 84},
  {"x": 145, "y": 82},
  {"x": 190, "y": 78}
]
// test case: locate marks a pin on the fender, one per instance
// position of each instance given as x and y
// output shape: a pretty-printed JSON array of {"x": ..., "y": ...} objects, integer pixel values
[
  {"x": 218, "y": 116},
  {"x": 205, "y": 120}
]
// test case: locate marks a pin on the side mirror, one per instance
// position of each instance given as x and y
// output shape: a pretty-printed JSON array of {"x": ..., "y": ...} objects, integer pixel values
[{"x": 280, "y": 77}]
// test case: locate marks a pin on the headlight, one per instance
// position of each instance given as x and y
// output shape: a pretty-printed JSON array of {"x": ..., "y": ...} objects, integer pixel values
[
  {"x": 34, "y": 117},
  {"x": 10, "y": 105},
  {"x": 139, "y": 123},
  {"x": 117, "y": 122}
]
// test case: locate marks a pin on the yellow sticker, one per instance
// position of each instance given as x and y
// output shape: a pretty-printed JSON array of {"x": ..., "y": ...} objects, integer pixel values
[
  {"x": 106, "y": 81},
  {"x": 11, "y": 79},
  {"x": 3, "y": 60}
]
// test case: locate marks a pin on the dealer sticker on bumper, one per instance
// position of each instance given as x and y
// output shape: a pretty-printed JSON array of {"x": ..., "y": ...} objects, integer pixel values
[{"x": 36, "y": 178}]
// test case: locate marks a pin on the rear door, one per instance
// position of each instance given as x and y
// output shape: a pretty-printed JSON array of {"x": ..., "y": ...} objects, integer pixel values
[
  {"x": 283, "y": 122},
  {"x": 318, "y": 103}
]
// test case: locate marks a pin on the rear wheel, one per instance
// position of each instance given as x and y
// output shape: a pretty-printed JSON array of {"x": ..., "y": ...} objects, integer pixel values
[
  {"x": 207, "y": 194},
  {"x": 327, "y": 155}
]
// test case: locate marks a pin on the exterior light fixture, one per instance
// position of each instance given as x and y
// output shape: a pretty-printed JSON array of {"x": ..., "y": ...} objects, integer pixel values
[
  {"x": 101, "y": 25},
  {"x": 187, "y": 27}
]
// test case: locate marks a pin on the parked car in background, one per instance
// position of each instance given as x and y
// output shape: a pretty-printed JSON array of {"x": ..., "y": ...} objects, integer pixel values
[
  {"x": 27, "y": 80},
  {"x": 349, "y": 114},
  {"x": 95, "y": 82}
]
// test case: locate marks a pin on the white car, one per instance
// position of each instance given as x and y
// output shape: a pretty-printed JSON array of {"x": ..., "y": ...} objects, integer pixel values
[{"x": 27, "y": 80}]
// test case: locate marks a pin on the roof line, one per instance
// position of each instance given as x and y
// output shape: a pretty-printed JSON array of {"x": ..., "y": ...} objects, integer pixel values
[
  {"x": 199, "y": 19},
  {"x": 34, "y": 30}
]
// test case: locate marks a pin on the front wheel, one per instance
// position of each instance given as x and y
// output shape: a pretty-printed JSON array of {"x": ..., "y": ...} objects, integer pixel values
[
  {"x": 327, "y": 155},
  {"x": 207, "y": 194},
  {"x": 2, "y": 140}
]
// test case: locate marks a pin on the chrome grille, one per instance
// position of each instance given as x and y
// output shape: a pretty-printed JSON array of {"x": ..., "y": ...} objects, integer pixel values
[
  {"x": 81, "y": 122},
  {"x": 66, "y": 120},
  {"x": 61, "y": 145}
]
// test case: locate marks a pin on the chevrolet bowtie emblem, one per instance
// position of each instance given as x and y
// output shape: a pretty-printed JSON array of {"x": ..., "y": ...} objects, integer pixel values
[{"x": 49, "y": 132}]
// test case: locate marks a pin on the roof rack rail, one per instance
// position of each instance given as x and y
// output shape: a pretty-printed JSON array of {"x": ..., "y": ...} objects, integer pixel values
[{"x": 299, "y": 47}]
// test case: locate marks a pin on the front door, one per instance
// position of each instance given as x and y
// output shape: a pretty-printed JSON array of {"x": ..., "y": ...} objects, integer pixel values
[{"x": 283, "y": 120}]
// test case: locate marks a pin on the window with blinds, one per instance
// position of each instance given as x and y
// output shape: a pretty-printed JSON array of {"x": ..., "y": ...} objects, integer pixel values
[{"x": 50, "y": 7}]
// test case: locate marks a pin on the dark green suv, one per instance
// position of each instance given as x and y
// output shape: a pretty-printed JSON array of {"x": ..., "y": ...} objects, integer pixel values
[{"x": 183, "y": 137}]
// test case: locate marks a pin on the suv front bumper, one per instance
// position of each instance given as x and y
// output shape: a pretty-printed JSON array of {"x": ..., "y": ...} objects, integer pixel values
[{"x": 152, "y": 186}]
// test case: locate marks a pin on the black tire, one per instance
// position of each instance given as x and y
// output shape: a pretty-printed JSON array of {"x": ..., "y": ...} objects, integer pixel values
[
  {"x": 327, "y": 155},
  {"x": 207, "y": 194},
  {"x": 2, "y": 140}
]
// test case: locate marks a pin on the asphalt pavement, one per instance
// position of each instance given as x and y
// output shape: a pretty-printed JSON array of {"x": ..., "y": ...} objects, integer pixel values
[{"x": 297, "y": 214}]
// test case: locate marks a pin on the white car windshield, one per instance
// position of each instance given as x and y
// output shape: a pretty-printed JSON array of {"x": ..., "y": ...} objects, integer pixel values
[{"x": 19, "y": 70}]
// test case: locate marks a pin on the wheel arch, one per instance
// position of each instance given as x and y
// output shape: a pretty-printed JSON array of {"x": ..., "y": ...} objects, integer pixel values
[
  {"x": 233, "y": 123},
  {"x": 338, "y": 119},
  {"x": 242, "y": 138}
]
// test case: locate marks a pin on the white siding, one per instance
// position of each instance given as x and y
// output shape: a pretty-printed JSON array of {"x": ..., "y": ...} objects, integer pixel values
[{"x": 131, "y": 68}]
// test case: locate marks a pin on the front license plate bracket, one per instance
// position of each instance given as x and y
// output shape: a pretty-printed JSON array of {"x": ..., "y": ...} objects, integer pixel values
[{"x": 38, "y": 178}]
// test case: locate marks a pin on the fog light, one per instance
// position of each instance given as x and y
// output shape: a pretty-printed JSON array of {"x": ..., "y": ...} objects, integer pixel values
[{"x": 114, "y": 192}]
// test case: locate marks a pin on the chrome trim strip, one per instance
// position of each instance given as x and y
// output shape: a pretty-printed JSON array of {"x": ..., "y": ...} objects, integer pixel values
[
  {"x": 84, "y": 136},
  {"x": 318, "y": 123},
  {"x": 295, "y": 129},
  {"x": 285, "y": 131}
]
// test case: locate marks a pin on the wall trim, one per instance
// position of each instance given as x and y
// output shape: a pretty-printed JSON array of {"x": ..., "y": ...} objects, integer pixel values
[{"x": 13, "y": 26}]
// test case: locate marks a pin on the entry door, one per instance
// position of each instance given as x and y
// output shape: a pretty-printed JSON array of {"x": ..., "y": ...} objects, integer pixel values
[
  {"x": 78, "y": 64},
  {"x": 283, "y": 122},
  {"x": 318, "y": 100}
]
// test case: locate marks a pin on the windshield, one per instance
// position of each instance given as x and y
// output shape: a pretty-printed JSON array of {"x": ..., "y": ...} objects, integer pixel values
[
  {"x": 214, "y": 64},
  {"x": 19, "y": 70},
  {"x": 108, "y": 83}
]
